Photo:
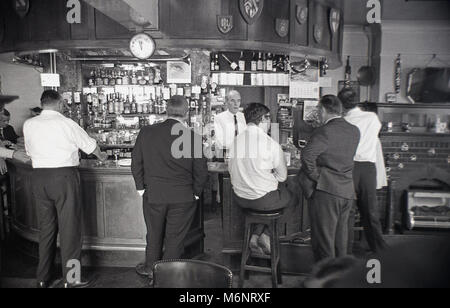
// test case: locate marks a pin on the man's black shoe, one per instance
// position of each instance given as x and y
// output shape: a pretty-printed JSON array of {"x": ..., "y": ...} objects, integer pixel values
[
  {"x": 142, "y": 271},
  {"x": 43, "y": 285},
  {"x": 78, "y": 285}
]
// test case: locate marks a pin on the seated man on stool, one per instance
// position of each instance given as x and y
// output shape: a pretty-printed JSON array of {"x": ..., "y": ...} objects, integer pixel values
[{"x": 257, "y": 167}]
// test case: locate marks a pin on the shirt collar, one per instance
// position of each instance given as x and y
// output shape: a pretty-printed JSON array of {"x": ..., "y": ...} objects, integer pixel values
[
  {"x": 178, "y": 120},
  {"x": 354, "y": 111},
  {"x": 50, "y": 112},
  {"x": 333, "y": 118}
]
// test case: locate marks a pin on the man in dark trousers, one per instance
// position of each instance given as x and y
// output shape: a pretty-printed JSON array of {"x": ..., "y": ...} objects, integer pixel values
[
  {"x": 326, "y": 177},
  {"x": 170, "y": 172},
  {"x": 53, "y": 143},
  {"x": 365, "y": 171}
]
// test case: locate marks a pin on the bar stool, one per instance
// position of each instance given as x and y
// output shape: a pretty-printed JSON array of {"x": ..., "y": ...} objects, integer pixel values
[{"x": 270, "y": 219}]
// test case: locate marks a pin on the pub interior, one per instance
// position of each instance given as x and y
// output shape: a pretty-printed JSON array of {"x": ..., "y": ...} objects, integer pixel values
[{"x": 117, "y": 65}]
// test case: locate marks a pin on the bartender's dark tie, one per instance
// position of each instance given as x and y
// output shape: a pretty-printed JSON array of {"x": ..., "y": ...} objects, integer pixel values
[{"x": 236, "y": 128}]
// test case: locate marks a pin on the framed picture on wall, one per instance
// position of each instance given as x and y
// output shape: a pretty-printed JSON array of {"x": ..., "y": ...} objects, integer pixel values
[{"x": 179, "y": 72}]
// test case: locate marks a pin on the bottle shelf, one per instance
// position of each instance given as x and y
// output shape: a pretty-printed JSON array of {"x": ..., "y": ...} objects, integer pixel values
[{"x": 249, "y": 72}]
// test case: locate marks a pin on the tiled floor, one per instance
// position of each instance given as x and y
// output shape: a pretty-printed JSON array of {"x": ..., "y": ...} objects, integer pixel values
[{"x": 19, "y": 270}]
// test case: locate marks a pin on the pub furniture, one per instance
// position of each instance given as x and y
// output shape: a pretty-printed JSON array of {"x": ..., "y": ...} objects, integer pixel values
[{"x": 269, "y": 219}]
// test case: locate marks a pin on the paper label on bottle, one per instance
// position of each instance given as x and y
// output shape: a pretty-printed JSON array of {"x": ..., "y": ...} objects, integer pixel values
[
  {"x": 166, "y": 93},
  {"x": 196, "y": 90}
]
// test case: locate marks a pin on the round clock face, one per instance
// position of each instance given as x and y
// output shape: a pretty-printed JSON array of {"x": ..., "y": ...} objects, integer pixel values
[{"x": 142, "y": 46}]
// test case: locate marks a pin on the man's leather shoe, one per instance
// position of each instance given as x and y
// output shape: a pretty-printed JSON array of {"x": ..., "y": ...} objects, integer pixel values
[
  {"x": 78, "y": 285},
  {"x": 142, "y": 271},
  {"x": 43, "y": 285}
]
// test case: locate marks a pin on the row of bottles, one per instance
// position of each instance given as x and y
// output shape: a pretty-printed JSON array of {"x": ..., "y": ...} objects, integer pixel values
[
  {"x": 103, "y": 77},
  {"x": 263, "y": 62},
  {"x": 119, "y": 104}
]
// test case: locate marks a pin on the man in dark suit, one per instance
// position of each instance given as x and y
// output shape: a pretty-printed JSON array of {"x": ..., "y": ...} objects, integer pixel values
[
  {"x": 170, "y": 172},
  {"x": 7, "y": 132},
  {"x": 327, "y": 179}
]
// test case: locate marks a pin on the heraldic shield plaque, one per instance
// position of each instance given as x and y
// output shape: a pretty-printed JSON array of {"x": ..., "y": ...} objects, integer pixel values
[{"x": 251, "y": 10}]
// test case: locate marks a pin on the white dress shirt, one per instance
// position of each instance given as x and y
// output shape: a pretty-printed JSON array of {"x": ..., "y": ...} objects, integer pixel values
[
  {"x": 369, "y": 125},
  {"x": 53, "y": 141},
  {"x": 224, "y": 127},
  {"x": 256, "y": 165}
]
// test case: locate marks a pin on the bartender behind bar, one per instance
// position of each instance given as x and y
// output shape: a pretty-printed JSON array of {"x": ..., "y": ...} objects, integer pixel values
[{"x": 53, "y": 141}]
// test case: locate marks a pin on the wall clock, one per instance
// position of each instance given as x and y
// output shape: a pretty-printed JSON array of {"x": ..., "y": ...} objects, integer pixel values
[{"x": 142, "y": 46}]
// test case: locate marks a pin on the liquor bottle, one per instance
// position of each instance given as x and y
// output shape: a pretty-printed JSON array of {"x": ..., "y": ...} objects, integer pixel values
[
  {"x": 348, "y": 71},
  {"x": 89, "y": 98},
  {"x": 141, "y": 80},
  {"x": 213, "y": 62},
  {"x": 254, "y": 63},
  {"x": 91, "y": 79},
  {"x": 117, "y": 109},
  {"x": 98, "y": 78},
  {"x": 119, "y": 80},
  {"x": 112, "y": 78},
  {"x": 242, "y": 62},
  {"x": 134, "y": 80},
  {"x": 269, "y": 62},
  {"x": 121, "y": 103},
  {"x": 110, "y": 104},
  {"x": 127, "y": 106},
  {"x": 125, "y": 78},
  {"x": 134, "y": 106},
  {"x": 216, "y": 62},
  {"x": 151, "y": 104},
  {"x": 260, "y": 64},
  {"x": 105, "y": 78},
  {"x": 286, "y": 63}
]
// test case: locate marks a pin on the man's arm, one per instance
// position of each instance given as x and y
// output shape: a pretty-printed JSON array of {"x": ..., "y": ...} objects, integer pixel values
[
  {"x": 137, "y": 163},
  {"x": 280, "y": 171},
  {"x": 316, "y": 146},
  {"x": 219, "y": 133},
  {"x": 87, "y": 144}
]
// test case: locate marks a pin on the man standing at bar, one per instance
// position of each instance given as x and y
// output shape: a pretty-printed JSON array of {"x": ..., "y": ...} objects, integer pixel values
[
  {"x": 230, "y": 123},
  {"x": 53, "y": 143},
  {"x": 365, "y": 171},
  {"x": 170, "y": 175},
  {"x": 326, "y": 178}
]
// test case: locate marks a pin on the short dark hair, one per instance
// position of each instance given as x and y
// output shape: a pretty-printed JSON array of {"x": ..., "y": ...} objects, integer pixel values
[
  {"x": 254, "y": 112},
  {"x": 332, "y": 104},
  {"x": 50, "y": 97},
  {"x": 177, "y": 106},
  {"x": 348, "y": 98}
]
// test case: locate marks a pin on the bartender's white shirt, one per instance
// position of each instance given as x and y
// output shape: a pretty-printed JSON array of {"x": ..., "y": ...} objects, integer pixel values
[
  {"x": 255, "y": 156},
  {"x": 369, "y": 125},
  {"x": 53, "y": 141},
  {"x": 224, "y": 128}
]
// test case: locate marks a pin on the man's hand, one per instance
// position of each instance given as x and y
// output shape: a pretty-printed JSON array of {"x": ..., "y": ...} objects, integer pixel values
[
  {"x": 102, "y": 157},
  {"x": 21, "y": 156},
  {"x": 3, "y": 167}
]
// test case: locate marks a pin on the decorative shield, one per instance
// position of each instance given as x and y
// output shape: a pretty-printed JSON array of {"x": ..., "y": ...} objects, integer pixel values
[
  {"x": 282, "y": 27},
  {"x": 335, "y": 20},
  {"x": 225, "y": 23},
  {"x": 21, "y": 7},
  {"x": 318, "y": 33},
  {"x": 251, "y": 10},
  {"x": 302, "y": 14}
]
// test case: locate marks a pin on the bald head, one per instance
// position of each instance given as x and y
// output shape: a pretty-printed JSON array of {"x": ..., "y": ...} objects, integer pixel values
[{"x": 233, "y": 101}]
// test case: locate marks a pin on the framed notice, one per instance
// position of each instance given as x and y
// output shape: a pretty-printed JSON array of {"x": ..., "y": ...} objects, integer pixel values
[{"x": 178, "y": 72}]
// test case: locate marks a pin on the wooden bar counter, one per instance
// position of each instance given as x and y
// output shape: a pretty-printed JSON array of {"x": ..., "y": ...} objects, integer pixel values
[{"x": 113, "y": 223}]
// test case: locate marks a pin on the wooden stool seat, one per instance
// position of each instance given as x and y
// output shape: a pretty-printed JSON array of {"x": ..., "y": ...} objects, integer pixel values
[{"x": 269, "y": 219}]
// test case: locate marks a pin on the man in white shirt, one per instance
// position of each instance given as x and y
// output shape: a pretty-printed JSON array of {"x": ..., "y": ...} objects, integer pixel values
[
  {"x": 257, "y": 167},
  {"x": 53, "y": 143},
  {"x": 230, "y": 123},
  {"x": 365, "y": 171}
]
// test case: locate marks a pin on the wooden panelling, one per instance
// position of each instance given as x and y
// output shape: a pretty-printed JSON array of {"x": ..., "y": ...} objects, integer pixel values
[
  {"x": 106, "y": 28},
  {"x": 198, "y": 19},
  {"x": 264, "y": 28},
  {"x": 299, "y": 32},
  {"x": 91, "y": 198},
  {"x": 318, "y": 18},
  {"x": 47, "y": 21},
  {"x": 86, "y": 29}
]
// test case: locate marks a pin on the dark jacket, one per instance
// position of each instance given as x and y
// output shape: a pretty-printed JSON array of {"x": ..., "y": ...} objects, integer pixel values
[
  {"x": 9, "y": 134},
  {"x": 165, "y": 178},
  {"x": 327, "y": 160}
]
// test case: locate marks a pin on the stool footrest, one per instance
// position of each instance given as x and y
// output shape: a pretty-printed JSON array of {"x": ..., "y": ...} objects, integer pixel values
[{"x": 261, "y": 269}]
